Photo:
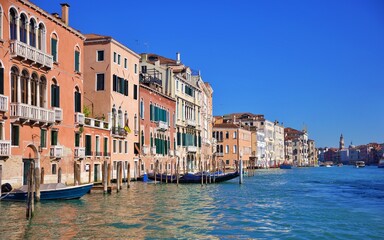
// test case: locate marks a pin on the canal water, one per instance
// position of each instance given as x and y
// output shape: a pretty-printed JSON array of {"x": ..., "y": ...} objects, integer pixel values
[{"x": 302, "y": 203}]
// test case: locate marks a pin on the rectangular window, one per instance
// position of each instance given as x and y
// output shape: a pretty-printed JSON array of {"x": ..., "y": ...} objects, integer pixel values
[
  {"x": 15, "y": 135},
  {"x": 100, "y": 55},
  {"x": 88, "y": 145},
  {"x": 54, "y": 137},
  {"x": 77, "y": 102},
  {"x": 135, "y": 91},
  {"x": 125, "y": 63},
  {"x": 43, "y": 138},
  {"x": 234, "y": 149},
  {"x": 97, "y": 146},
  {"x": 114, "y": 57},
  {"x": 54, "y": 168},
  {"x": 77, "y": 61},
  {"x": 55, "y": 95},
  {"x": 54, "y": 49},
  {"x": 227, "y": 162},
  {"x": 99, "y": 81},
  {"x": 142, "y": 109},
  {"x": 120, "y": 147},
  {"x": 135, "y": 68},
  {"x": 105, "y": 146},
  {"x": 77, "y": 139},
  {"x": 126, "y": 147},
  {"x": 114, "y": 146},
  {"x": 118, "y": 59}
]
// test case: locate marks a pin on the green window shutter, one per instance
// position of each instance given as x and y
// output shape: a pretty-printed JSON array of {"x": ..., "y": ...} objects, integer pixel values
[
  {"x": 200, "y": 141},
  {"x": 150, "y": 112},
  {"x": 115, "y": 83},
  {"x": 54, "y": 49},
  {"x": 134, "y": 91},
  {"x": 77, "y": 139},
  {"x": 15, "y": 135},
  {"x": 184, "y": 138},
  {"x": 77, "y": 61},
  {"x": 151, "y": 141},
  {"x": 105, "y": 145},
  {"x": 88, "y": 145},
  {"x": 174, "y": 144},
  {"x": 54, "y": 136},
  {"x": 126, "y": 88},
  {"x": 178, "y": 139},
  {"x": 43, "y": 138}
]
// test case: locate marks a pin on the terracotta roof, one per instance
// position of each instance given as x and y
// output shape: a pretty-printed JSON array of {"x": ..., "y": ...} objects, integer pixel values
[
  {"x": 163, "y": 60},
  {"x": 96, "y": 36},
  {"x": 225, "y": 125}
]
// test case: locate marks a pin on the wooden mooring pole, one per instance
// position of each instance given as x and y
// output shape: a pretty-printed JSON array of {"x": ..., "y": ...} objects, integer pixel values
[
  {"x": 105, "y": 177},
  {"x": 129, "y": 175},
  {"x": 37, "y": 183},
  {"x": 177, "y": 173},
  {"x": 166, "y": 172},
  {"x": 30, "y": 196},
  {"x": 42, "y": 176},
  {"x": 118, "y": 176},
  {"x": 1, "y": 176}
]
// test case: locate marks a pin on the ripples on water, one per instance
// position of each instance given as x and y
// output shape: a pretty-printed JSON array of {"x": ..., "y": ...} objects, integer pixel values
[{"x": 308, "y": 203}]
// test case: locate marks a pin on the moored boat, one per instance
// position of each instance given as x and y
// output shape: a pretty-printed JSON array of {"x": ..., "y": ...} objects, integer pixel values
[
  {"x": 359, "y": 164},
  {"x": 195, "y": 177},
  {"x": 285, "y": 166},
  {"x": 52, "y": 191}
]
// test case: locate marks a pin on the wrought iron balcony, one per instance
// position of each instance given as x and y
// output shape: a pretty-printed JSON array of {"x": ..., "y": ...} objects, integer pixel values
[
  {"x": 5, "y": 148},
  {"x": 79, "y": 118},
  {"x": 79, "y": 152},
  {"x": 162, "y": 126},
  {"x": 31, "y": 54},
  {"x": 58, "y": 114},
  {"x": 3, "y": 103},
  {"x": 33, "y": 113},
  {"x": 56, "y": 152},
  {"x": 191, "y": 149}
]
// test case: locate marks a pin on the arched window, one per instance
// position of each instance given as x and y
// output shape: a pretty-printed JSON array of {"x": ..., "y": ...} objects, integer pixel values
[
  {"x": 55, "y": 94},
  {"x": 77, "y": 100},
  {"x": 43, "y": 92},
  {"x": 34, "y": 85},
  {"x": 32, "y": 33},
  {"x": 41, "y": 37},
  {"x": 77, "y": 59},
  {"x": 24, "y": 86},
  {"x": 14, "y": 84},
  {"x": 23, "y": 28},
  {"x": 54, "y": 48},
  {"x": 13, "y": 24}
]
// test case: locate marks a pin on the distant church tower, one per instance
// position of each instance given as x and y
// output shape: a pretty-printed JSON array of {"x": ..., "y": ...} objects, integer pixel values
[{"x": 341, "y": 143}]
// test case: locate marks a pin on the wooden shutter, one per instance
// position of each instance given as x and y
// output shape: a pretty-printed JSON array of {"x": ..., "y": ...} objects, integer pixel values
[
  {"x": 115, "y": 83},
  {"x": 77, "y": 61},
  {"x": 126, "y": 88},
  {"x": 57, "y": 96},
  {"x": 54, "y": 49},
  {"x": 135, "y": 91},
  {"x": 88, "y": 145}
]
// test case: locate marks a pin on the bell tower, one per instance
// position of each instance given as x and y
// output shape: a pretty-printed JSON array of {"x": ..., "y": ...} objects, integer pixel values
[{"x": 341, "y": 142}]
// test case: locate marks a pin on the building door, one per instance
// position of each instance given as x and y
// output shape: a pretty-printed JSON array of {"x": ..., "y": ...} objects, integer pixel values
[
  {"x": 96, "y": 173},
  {"x": 27, "y": 165}
]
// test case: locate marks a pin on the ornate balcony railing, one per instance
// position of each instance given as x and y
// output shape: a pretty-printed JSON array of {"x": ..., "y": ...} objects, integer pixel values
[
  {"x": 79, "y": 152},
  {"x": 3, "y": 103},
  {"x": 191, "y": 149},
  {"x": 96, "y": 123},
  {"x": 79, "y": 118},
  {"x": 5, "y": 148},
  {"x": 58, "y": 114},
  {"x": 32, "y": 54},
  {"x": 146, "y": 150},
  {"x": 56, "y": 152},
  {"x": 191, "y": 123},
  {"x": 29, "y": 112},
  {"x": 162, "y": 126}
]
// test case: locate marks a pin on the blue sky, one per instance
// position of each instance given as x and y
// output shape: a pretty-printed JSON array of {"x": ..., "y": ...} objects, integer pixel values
[{"x": 318, "y": 64}]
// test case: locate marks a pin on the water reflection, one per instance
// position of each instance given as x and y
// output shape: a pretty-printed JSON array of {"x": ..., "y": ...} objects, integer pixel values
[{"x": 303, "y": 203}]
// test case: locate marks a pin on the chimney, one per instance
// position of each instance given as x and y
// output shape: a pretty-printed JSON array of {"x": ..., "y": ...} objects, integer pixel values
[
  {"x": 65, "y": 13},
  {"x": 178, "y": 58}
]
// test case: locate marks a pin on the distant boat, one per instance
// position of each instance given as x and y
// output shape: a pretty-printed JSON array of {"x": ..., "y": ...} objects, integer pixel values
[
  {"x": 381, "y": 163},
  {"x": 360, "y": 164},
  {"x": 285, "y": 166},
  {"x": 52, "y": 191}
]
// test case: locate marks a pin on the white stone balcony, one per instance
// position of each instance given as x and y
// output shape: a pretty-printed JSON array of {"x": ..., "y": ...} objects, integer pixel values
[
  {"x": 56, "y": 152},
  {"x": 3, "y": 103},
  {"x": 219, "y": 154},
  {"x": 29, "y": 53},
  {"x": 29, "y": 112},
  {"x": 162, "y": 126},
  {"x": 79, "y": 152},
  {"x": 191, "y": 149},
  {"x": 95, "y": 123},
  {"x": 153, "y": 150},
  {"x": 5, "y": 148},
  {"x": 79, "y": 118},
  {"x": 171, "y": 153},
  {"x": 58, "y": 114},
  {"x": 190, "y": 122},
  {"x": 146, "y": 150}
]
